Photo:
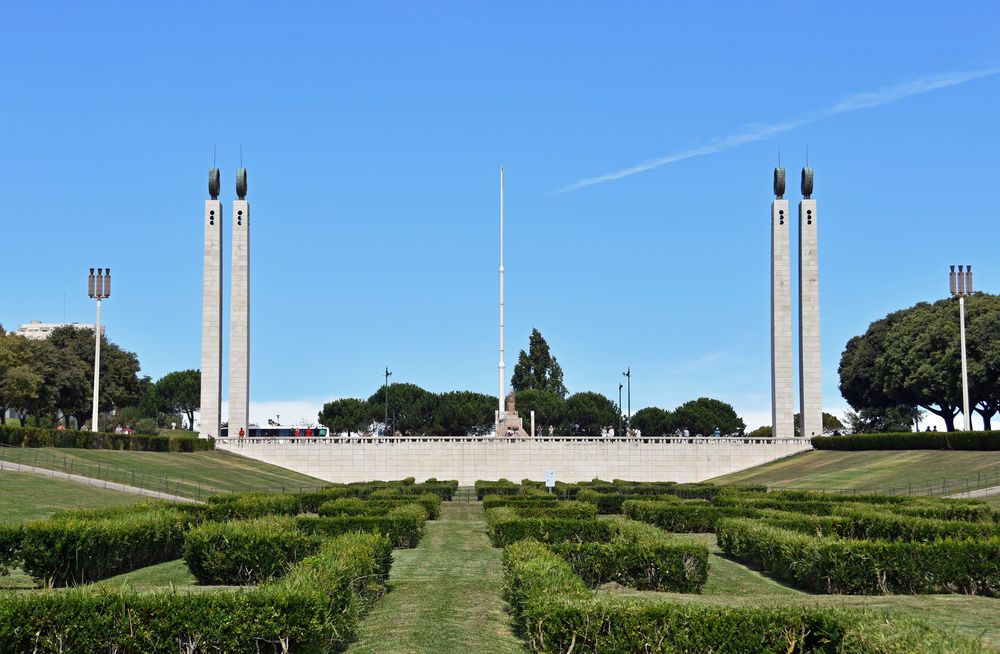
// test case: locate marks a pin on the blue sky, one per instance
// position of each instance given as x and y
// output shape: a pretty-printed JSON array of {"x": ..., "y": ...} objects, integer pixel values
[{"x": 373, "y": 133}]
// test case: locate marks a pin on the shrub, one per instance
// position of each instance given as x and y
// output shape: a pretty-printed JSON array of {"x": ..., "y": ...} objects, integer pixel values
[
  {"x": 502, "y": 487},
  {"x": 245, "y": 552},
  {"x": 309, "y": 502},
  {"x": 872, "y": 524},
  {"x": 570, "y": 509},
  {"x": 65, "y": 551},
  {"x": 313, "y": 608},
  {"x": 863, "y": 567},
  {"x": 611, "y": 503},
  {"x": 43, "y": 437},
  {"x": 402, "y": 525},
  {"x": 505, "y": 527},
  {"x": 493, "y": 501},
  {"x": 965, "y": 440},
  {"x": 247, "y": 506},
  {"x": 10, "y": 546},
  {"x": 353, "y": 506},
  {"x": 557, "y": 613},
  {"x": 673, "y": 517},
  {"x": 639, "y": 556}
]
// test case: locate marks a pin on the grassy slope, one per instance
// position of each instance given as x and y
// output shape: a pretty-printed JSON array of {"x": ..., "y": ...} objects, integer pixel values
[
  {"x": 24, "y": 496},
  {"x": 824, "y": 469},
  {"x": 193, "y": 474},
  {"x": 445, "y": 594},
  {"x": 730, "y": 583}
]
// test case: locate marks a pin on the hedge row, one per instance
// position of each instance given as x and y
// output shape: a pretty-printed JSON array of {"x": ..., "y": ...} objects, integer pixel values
[
  {"x": 611, "y": 503},
  {"x": 558, "y": 614},
  {"x": 829, "y": 504},
  {"x": 65, "y": 551},
  {"x": 601, "y": 551},
  {"x": 572, "y": 510},
  {"x": 871, "y": 524},
  {"x": 865, "y": 567},
  {"x": 962, "y": 440},
  {"x": 617, "y": 487},
  {"x": 402, "y": 525},
  {"x": 680, "y": 518},
  {"x": 430, "y": 502},
  {"x": 42, "y": 437},
  {"x": 247, "y": 552},
  {"x": 505, "y": 527},
  {"x": 493, "y": 501},
  {"x": 313, "y": 608}
]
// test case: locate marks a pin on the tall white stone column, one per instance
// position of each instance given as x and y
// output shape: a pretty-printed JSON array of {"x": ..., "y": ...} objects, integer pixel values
[
  {"x": 810, "y": 365},
  {"x": 211, "y": 314},
  {"x": 239, "y": 312},
  {"x": 781, "y": 314}
]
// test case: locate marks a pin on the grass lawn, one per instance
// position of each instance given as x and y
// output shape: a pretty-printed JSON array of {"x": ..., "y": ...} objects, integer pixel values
[
  {"x": 188, "y": 474},
  {"x": 445, "y": 594},
  {"x": 902, "y": 470},
  {"x": 25, "y": 496},
  {"x": 732, "y": 584}
]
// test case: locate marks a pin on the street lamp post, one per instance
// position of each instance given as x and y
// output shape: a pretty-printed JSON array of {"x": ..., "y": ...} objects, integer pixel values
[
  {"x": 628, "y": 378},
  {"x": 388, "y": 374},
  {"x": 961, "y": 285},
  {"x": 98, "y": 288},
  {"x": 620, "y": 386}
]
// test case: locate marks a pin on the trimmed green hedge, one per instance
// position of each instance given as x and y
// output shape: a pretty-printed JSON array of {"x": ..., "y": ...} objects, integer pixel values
[
  {"x": 430, "y": 502},
  {"x": 402, "y": 525},
  {"x": 679, "y": 518},
  {"x": 917, "y": 440},
  {"x": 43, "y": 437},
  {"x": 313, "y": 608},
  {"x": 246, "y": 506},
  {"x": 502, "y": 487},
  {"x": 246, "y": 552},
  {"x": 611, "y": 503},
  {"x": 869, "y": 524},
  {"x": 865, "y": 567},
  {"x": 61, "y": 552},
  {"x": 558, "y": 614},
  {"x": 504, "y": 527},
  {"x": 493, "y": 501},
  {"x": 570, "y": 509}
]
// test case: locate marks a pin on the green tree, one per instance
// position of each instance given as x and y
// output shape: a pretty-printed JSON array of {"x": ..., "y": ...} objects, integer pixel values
[
  {"x": 653, "y": 421},
  {"x": 346, "y": 415},
  {"x": 461, "y": 413},
  {"x": 882, "y": 419},
  {"x": 180, "y": 392},
  {"x": 761, "y": 432},
  {"x": 587, "y": 413},
  {"x": 831, "y": 424},
  {"x": 549, "y": 407},
  {"x": 411, "y": 408},
  {"x": 537, "y": 368},
  {"x": 19, "y": 383},
  {"x": 912, "y": 358},
  {"x": 703, "y": 415}
]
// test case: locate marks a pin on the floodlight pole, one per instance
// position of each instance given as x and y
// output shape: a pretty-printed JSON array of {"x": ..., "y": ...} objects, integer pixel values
[
  {"x": 386, "y": 393},
  {"x": 961, "y": 289},
  {"x": 620, "y": 386},
  {"x": 628, "y": 377},
  {"x": 502, "y": 383},
  {"x": 98, "y": 287}
]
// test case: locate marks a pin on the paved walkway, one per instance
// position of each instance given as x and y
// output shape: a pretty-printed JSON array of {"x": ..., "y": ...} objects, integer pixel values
[
  {"x": 444, "y": 595},
  {"x": 982, "y": 492},
  {"x": 97, "y": 483}
]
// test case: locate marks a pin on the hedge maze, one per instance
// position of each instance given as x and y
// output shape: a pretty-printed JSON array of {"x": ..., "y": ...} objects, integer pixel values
[
  {"x": 558, "y": 550},
  {"x": 298, "y": 569}
]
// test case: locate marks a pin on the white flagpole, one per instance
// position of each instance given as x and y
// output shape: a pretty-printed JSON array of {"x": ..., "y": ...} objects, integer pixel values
[{"x": 502, "y": 419}]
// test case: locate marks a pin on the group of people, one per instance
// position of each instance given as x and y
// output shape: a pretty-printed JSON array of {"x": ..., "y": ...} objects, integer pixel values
[{"x": 127, "y": 430}]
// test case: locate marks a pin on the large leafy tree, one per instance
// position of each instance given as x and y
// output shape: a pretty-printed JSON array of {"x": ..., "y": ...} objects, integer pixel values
[
  {"x": 461, "y": 413},
  {"x": 346, "y": 415},
  {"x": 703, "y": 415},
  {"x": 882, "y": 419},
  {"x": 411, "y": 408},
  {"x": 831, "y": 424},
  {"x": 549, "y": 407},
  {"x": 912, "y": 358},
  {"x": 537, "y": 368},
  {"x": 653, "y": 421},
  {"x": 180, "y": 392},
  {"x": 19, "y": 383},
  {"x": 587, "y": 413}
]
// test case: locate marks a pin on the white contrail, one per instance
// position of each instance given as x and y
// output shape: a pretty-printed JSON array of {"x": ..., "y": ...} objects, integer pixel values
[{"x": 752, "y": 133}]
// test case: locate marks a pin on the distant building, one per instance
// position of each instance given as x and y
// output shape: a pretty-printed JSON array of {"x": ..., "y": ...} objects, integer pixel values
[{"x": 39, "y": 330}]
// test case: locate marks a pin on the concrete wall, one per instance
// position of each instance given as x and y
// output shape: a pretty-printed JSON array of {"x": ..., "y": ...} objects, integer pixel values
[{"x": 470, "y": 459}]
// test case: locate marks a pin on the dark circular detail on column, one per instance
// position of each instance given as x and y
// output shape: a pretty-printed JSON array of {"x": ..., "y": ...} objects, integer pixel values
[
  {"x": 807, "y": 182},
  {"x": 213, "y": 183},
  {"x": 241, "y": 183},
  {"x": 779, "y": 183}
]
